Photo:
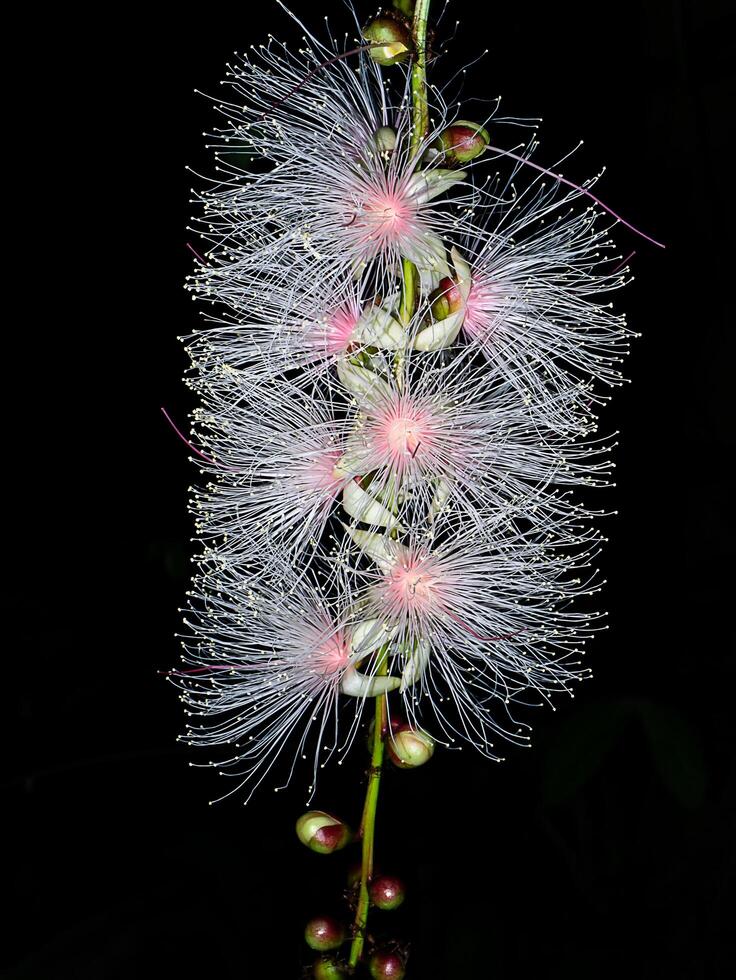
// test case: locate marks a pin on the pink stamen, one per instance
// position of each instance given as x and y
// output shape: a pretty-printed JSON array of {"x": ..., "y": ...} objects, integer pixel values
[
  {"x": 576, "y": 187},
  {"x": 196, "y": 254},
  {"x": 625, "y": 261},
  {"x": 187, "y": 442}
]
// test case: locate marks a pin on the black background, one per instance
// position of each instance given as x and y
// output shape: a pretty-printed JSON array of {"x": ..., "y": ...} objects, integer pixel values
[{"x": 606, "y": 850}]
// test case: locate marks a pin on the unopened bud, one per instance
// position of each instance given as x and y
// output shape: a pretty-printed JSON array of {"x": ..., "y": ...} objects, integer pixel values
[
  {"x": 410, "y": 747},
  {"x": 324, "y": 933},
  {"x": 446, "y": 299},
  {"x": 387, "y": 892},
  {"x": 387, "y": 966},
  {"x": 322, "y": 833},
  {"x": 390, "y": 38},
  {"x": 462, "y": 142},
  {"x": 327, "y": 968}
]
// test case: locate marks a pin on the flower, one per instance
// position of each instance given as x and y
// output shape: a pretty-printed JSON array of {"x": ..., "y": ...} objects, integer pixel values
[
  {"x": 336, "y": 201},
  {"x": 480, "y": 621},
  {"x": 531, "y": 304},
  {"x": 267, "y": 656}
]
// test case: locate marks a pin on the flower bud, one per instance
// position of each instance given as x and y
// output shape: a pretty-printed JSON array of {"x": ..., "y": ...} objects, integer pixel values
[
  {"x": 446, "y": 299},
  {"x": 327, "y": 968},
  {"x": 324, "y": 933},
  {"x": 462, "y": 142},
  {"x": 392, "y": 35},
  {"x": 387, "y": 966},
  {"x": 322, "y": 833},
  {"x": 387, "y": 892},
  {"x": 410, "y": 747}
]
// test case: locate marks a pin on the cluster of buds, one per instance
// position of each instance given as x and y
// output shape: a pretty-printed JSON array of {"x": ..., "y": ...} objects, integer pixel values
[{"x": 325, "y": 834}]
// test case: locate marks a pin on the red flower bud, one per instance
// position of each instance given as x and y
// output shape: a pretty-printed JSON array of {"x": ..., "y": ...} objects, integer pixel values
[
  {"x": 390, "y": 37},
  {"x": 322, "y": 833},
  {"x": 462, "y": 142},
  {"x": 324, "y": 933},
  {"x": 446, "y": 299},
  {"x": 327, "y": 968},
  {"x": 387, "y": 892},
  {"x": 387, "y": 966}
]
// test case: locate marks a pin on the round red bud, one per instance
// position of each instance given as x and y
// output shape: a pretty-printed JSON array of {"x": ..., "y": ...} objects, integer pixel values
[
  {"x": 324, "y": 933},
  {"x": 446, "y": 299},
  {"x": 462, "y": 142},
  {"x": 387, "y": 966},
  {"x": 321, "y": 832},
  {"x": 387, "y": 892}
]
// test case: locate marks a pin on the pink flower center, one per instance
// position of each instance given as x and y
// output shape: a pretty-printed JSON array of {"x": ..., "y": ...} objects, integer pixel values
[
  {"x": 333, "y": 335},
  {"x": 318, "y": 472},
  {"x": 413, "y": 585},
  {"x": 402, "y": 433},
  {"x": 332, "y": 655},
  {"x": 385, "y": 220}
]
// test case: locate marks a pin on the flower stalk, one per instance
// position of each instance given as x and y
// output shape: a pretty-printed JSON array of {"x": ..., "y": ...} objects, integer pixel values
[
  {"x": 368, "y": 825},
  {"x": 409, "y": 290}
]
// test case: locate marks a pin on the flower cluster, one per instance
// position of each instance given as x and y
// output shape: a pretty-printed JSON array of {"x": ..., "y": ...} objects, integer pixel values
[{"x": 404, "y": 347}]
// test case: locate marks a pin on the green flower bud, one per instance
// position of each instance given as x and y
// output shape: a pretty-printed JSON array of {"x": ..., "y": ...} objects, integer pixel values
[
  {"x": 387, "y": 892},
  {"x": 410, "y": 748},
  {"x": 322, "y": 833},
  {"x": 462, "y": 142},
  {"x": 327, "y": 968},
  {"x": 324, "y": 933},
  {"x": 387, "y": 966},
  {"x": 393, "y": 35}
]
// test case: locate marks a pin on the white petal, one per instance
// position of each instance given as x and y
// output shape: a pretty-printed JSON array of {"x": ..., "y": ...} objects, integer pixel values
[
  {"x": 362, "y": 382},
  {"x": 357, "y": 685},
  {"x": 415, "y": 666},
  {"x": 427, "y": 184},
  {"x": 379, "y": 547},
  {"x": 441, "y": 496},
  {"x": 440, "y": 334},
  {"x": 463, "y": 273},
  {"x": 377, "y": 328},
  {"x": 363, "y": 507},
  {"x": 369, "y": 636}
]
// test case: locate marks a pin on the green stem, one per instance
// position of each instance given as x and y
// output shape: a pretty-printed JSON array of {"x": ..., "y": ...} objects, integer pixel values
[
  {"x": 420, "y": 113},
  {"x": 420, "y": 125},
  {"x": 368, "y": 824},
  {"x": 409, "y": 292}
]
